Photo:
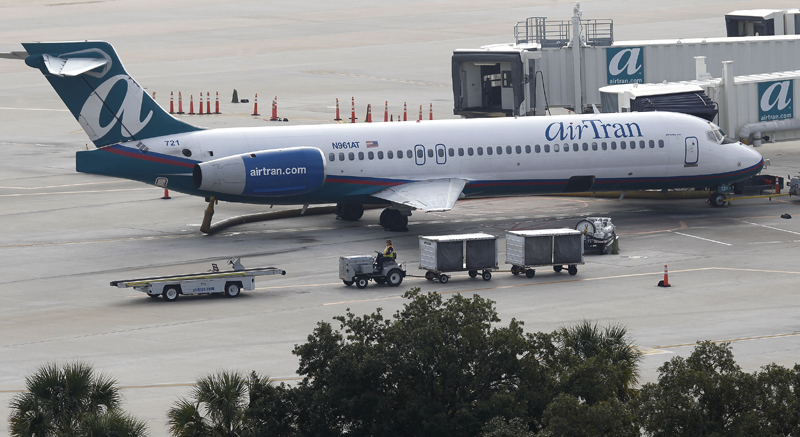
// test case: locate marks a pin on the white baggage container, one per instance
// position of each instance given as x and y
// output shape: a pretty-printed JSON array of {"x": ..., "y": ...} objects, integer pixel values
[
  {"x": 456, "y": 253},
  {"x": 544, "y": 247}
]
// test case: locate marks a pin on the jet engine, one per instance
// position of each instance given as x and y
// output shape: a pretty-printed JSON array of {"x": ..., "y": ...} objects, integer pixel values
[{"x": 266, "y": 173}]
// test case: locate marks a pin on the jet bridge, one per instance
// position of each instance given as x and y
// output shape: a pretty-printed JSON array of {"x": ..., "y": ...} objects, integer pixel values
[{"x": 563, "y": 64}]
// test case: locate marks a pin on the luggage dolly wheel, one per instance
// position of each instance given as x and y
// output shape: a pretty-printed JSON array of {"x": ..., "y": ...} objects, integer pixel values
[
  {"x": 362, "y": 282},
  {"x": 530, "y": 273},
  {"x": 487, "y": 275},
  {"x": 232, "y": 289},
  {"x": 473, "y": 273},
  {"x": 429, "y": 275},
  {"x": 573, "y": 269},
  {"x": 170, "y": 293},
  {"x": 515, "y": 270},
  {"x": 348, "y": 283},
  {"x": 443, "y": 279},
  {"x": 558, "y": 268}
]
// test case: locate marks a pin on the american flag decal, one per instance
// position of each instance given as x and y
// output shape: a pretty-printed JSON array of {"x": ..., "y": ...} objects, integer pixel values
[{"x": 372, "y": 144}]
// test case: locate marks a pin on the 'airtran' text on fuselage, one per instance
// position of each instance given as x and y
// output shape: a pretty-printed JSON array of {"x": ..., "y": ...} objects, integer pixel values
[
  {"x": 346, "y": 145},
  {"x": 595, "y": 129}
]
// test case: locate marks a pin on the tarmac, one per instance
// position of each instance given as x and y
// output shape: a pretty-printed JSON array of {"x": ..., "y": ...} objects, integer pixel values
[{"x": 67, "y": 235}]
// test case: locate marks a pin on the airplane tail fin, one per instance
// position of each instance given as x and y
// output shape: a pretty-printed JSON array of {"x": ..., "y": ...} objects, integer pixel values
[{"x": 110, "y": 106}]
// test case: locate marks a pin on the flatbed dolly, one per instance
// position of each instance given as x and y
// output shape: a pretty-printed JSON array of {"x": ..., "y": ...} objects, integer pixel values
[{"x": 230, "y": 283}]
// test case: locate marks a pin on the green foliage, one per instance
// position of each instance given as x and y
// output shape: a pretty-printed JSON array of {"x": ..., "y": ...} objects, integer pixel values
[
  {"x": 71, "y": 400},
  {"x": 568, "y": 416},
  {"x": 217, "y": 407},
  {"x": 708, "y": 394}
]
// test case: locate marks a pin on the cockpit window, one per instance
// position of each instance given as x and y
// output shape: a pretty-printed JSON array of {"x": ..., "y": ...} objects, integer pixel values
[{"x": 715, "y": 135}]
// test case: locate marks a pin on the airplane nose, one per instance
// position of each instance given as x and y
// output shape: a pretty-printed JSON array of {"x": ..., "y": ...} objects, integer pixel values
[{"x": 751, "y": 158}]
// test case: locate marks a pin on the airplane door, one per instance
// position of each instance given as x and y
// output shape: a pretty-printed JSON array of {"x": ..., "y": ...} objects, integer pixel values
[
  {"x": 441, "y": 154},
  {"x": 692, "y": 151},
  {"x": 419, "y": 154}
]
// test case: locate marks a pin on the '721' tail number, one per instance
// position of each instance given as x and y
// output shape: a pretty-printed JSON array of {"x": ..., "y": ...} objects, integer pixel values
[{"x": 172, "y": 143}]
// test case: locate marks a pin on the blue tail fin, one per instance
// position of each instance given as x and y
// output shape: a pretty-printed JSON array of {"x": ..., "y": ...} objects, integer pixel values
[{"x": 110, "y": 106}]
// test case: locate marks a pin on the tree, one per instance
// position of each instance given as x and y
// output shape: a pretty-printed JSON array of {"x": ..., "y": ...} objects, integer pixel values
[
  {"x": 706, "y": 394},
  {"x": 569, "y": 416},
  {"x": 217, "y": 407},
  {"x": 435, "y": 368},
  {"x": 71, "y": 400}
]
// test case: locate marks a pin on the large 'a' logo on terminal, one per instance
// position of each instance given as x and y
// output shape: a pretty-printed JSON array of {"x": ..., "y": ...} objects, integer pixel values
[
  {"x": 775, "y": 100},
  {"x": 129, "y": 111},
  {"x": 625, "y": 65}
]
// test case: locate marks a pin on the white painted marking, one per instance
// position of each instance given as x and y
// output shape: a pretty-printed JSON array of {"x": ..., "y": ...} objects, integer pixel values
[
  {"x": 701, "y": 238},
  {"x": 770, "y": 227}
]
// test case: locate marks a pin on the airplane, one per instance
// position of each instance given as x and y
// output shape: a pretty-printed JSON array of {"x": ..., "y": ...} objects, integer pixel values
[{"x": 421, "y": 165}]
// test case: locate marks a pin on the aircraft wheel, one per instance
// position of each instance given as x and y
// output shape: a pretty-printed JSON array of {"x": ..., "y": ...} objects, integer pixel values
[
  {"x": 394, "y": 278},
  {"x": 573, "y": 270},
  {"x": 717, "y": 200},
  {"x": 347, "y": 283},
  {"x": 558, "y": 268},
  {"x": 487, "y": 275},
  {"x": 530, "y": 273},
  {"x": 473, "y": 273},
  {"x": 232, "y": 289},
  {"x": 443, "y": 279},
  {"x": 170, "y": 293},
  {"x": 362, "y": 282},
  {"x": 350, "y": 211}
]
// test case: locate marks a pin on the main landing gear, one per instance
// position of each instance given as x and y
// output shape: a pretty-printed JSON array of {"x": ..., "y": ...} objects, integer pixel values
[
  {"x": 349, "y": 211},
  {"x": 394, "y": 220}
]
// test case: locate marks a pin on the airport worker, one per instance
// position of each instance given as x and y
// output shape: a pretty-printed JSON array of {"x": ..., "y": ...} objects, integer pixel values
[{"x": 387, "y": 254}]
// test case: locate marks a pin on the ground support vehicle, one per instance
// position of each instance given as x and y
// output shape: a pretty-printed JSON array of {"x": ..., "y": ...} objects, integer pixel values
[
  {"x": 473, "y": 253},
  {"x": 599, "y": 234},
  {"x": 230, "y": 283},
  {"x": 360, "y": 269},
  {"x": 559, "y": 248}
]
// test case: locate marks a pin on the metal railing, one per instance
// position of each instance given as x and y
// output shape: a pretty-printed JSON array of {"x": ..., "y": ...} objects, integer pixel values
[{"x": 598, "y": 32}]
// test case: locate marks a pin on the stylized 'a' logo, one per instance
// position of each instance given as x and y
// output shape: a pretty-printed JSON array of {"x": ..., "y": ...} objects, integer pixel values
[
  {"x": 631, "y": 65},
  {"x": 782, "y": 100},
  {"x": 128, "y": 112}
]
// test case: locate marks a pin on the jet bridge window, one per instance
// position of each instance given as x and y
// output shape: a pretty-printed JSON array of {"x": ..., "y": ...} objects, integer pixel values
[
  {"x": 360, "y": 156},
  {"x": 661, "y": 143},
  {"x": 332, "y": 157}
]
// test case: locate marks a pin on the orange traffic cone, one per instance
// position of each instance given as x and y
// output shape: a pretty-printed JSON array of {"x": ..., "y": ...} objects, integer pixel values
[{"x": 665, "y": 282}]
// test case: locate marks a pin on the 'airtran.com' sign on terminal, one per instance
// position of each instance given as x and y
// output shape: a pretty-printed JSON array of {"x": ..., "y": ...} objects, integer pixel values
[
  {"x": 775, "y": 100},
  {"x": 625, "y": 65}
]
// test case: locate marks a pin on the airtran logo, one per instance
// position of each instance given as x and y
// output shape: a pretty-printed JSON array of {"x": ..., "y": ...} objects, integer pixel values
[
  {"x": 128, "y": 110},
  {"x": 775, "y": 100},
  {"x": 591, "y": 129},
  {"x": 625, "y": 65}
]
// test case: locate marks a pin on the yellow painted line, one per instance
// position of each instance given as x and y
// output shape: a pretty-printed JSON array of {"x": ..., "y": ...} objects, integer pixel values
[
  {"x": 652, "y": 351},
  {"x": 74, "y": 192},
  {"x": 734, "y": 340}
]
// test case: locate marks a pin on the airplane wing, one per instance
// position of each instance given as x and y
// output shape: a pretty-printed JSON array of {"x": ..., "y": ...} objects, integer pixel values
[{"x": 430, "y": 195}]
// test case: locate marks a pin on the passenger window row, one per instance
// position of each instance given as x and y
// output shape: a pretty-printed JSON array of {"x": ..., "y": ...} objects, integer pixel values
[{"x": 499, "y": 150}]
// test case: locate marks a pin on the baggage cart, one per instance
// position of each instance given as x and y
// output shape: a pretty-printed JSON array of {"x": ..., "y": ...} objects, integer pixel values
[
  {"x": 559, "y": 248},
  {"x": 230, "y": 283},
  {"x": 473, "y": 253}
]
